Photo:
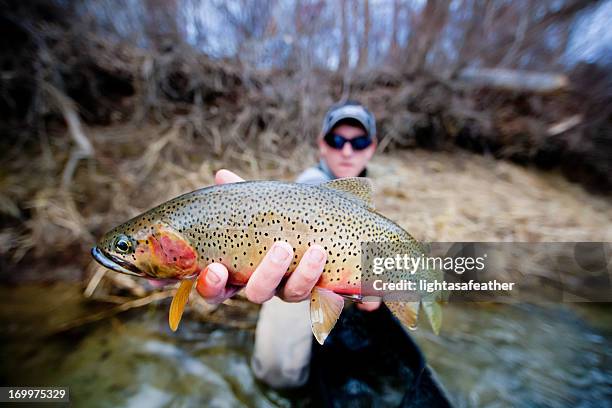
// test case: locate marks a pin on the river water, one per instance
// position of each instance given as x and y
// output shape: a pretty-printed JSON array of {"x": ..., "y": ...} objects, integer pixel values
[{"x": 553, "y": 355}]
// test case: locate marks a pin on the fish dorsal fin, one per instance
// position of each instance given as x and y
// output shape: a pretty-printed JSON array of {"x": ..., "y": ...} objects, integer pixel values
[
  {"x": 325, "y": 308},
  {"x": 406, "y": 312},
  {"x": 179, "y": 301},
  {"x": 357, "y": 189}
]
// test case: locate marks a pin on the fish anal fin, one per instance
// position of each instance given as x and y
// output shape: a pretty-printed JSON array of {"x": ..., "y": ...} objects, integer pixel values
[
  {"x": 357, "y": 189},
  {"x": 325, "y": 308},
  {"x": 179, "y": 301},
  {"x": 406, "y": 312}
]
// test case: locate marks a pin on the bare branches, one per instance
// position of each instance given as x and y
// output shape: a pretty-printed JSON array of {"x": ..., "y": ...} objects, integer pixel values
[
  {"x": 83, "y": 148},
  {"x": 513, "y": 80},
  {"x": 364, "y": 47},
  {"x": 431, "y": 22},
  {"x": 123, "y": 307},
  {"x": 344, "y": 47},
  {"x": 162, "y": 120}
]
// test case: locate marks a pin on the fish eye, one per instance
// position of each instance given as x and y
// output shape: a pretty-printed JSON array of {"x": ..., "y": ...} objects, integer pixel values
[{"x": 123, "y": 244}]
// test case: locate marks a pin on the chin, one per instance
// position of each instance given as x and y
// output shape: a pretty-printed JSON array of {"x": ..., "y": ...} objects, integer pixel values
[{"x": 344, "y": 172}]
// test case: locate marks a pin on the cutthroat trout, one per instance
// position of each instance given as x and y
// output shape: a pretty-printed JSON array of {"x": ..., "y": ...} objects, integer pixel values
[{"x": 235, "y": 224}]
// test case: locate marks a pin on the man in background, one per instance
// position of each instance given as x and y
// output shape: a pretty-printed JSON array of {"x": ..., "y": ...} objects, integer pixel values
[{"x": 284, "y": 337}]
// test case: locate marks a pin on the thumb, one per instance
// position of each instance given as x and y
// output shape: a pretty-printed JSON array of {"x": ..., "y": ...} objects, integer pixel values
[{"x": 211, "y": 281}]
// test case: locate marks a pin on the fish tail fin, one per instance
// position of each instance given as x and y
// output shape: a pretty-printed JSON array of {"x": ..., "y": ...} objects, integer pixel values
[
  {"x": 325, "y": 309},
  {"x": 405, "y": 306},
  {"x": 431, "y": 302},
  {"x": 433, "y": 311},
  {"x": 406, "y": 312}
]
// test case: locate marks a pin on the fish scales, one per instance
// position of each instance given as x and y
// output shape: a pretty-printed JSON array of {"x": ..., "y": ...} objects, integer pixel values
[{"x": 236, "y": 224}]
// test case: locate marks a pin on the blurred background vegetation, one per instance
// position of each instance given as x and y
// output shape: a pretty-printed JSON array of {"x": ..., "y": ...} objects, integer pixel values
[
  {"x": 114, "y": 105},
  {"x": 495, "y": 124}
]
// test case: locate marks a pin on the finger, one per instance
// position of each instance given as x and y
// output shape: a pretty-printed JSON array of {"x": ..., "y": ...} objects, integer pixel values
[
  {"x": 368, "y": 306},
  {"x": 262, "y": 284},
  {"x": 211, "y": 282},
  {"x": 302, "y": 280},
  {"x": 224, "y": 176}
]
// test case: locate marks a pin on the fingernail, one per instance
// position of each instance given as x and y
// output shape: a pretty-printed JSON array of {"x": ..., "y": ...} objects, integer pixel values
[
  {"x": 316, "y": 256},
  {"x": 212, "y": 278},
  {"x": 279, "y": 254}
]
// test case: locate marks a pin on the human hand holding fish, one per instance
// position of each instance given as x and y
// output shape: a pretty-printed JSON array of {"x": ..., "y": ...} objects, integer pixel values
[{"x": 266, "y": 280}]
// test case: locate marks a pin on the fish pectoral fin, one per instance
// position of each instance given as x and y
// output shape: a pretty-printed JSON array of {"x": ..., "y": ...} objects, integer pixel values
[
  {"x": 325, "y": 308},
  {"x": 433, "y": 311},
  {"x": 406, "y": 312},
  {"x": 178, "y": 303},
  {"x": 357, "y": 189}
]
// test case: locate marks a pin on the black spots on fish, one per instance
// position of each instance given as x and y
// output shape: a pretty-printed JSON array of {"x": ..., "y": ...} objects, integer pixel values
[{"x": 248, "y": 217}]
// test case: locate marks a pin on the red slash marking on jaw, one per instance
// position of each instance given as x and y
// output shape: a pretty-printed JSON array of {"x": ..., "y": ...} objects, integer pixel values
[
  {"x": 168, "y": 256},
  {"x": 176, "y": 251}
]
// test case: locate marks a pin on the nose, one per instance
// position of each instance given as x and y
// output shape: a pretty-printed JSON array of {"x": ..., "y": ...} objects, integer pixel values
[{"x": 347, "y": 150}]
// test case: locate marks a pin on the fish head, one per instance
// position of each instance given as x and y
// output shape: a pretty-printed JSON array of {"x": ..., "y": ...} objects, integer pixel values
[{"x": 147, "y": 249}]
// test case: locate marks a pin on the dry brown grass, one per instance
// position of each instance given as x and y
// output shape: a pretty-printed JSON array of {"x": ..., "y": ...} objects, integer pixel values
[
  {"x": 134, "y": 168},
  {"x": 465, "y": 197},
  {"x": 435, "y": 196}
]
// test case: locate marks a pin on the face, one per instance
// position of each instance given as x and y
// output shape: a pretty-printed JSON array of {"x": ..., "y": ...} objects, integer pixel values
[{"x": 346, "y": 162}]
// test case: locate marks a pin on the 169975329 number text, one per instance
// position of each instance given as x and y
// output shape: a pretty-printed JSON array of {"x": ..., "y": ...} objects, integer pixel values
[{"x": 34, "y": 394}]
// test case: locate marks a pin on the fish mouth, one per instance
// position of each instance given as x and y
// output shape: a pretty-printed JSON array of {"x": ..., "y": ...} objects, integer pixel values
[{"x": 111, "y": 262}]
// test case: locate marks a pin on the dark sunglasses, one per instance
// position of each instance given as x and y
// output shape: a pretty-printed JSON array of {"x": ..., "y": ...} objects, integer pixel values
[{"x": 337, "y": 142}]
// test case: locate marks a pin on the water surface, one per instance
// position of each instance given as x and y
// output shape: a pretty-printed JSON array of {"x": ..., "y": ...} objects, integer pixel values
[{"x": 486, "y": 356}]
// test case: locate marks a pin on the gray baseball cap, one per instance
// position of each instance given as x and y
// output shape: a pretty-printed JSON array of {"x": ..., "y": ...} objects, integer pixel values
[{"x": 350, "y": 110}]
